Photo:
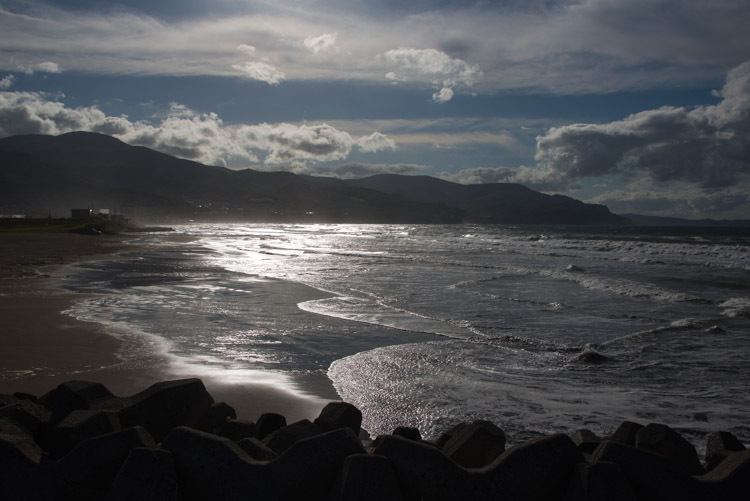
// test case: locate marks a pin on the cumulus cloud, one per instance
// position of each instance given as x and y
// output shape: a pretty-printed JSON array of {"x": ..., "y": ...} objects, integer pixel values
[
  {"x": 247, "y": 49},
  {"x": 45, "y": 67},
  {"x": 438, "y": 67},
  {"x": 480, "y": 175},
  {"x": 296, "y": 144},
  {"x": 324, "y": 42},
  {"x": 443, "y": 95},
  {"x": 6, "y": 82},
  {"x": 184, "y": 133},
  {"x": 708, "y": 146},
  {"x": 376, "y": 142},
  {"x": 258, "y": 70}
]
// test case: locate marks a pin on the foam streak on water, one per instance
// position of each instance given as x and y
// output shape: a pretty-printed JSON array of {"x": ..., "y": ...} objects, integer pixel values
[{"x": 537, "y": 329}]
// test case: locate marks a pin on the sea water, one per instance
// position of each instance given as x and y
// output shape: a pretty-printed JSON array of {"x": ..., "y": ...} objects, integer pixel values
[{"x": 537, "y": 329}]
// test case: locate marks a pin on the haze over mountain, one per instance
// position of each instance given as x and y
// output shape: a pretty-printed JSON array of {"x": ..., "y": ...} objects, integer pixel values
[{"x": 41, "y": 174}]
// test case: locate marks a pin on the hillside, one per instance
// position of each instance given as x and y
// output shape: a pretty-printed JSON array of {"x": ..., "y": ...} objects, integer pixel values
[{"x": 52, "y": 174}]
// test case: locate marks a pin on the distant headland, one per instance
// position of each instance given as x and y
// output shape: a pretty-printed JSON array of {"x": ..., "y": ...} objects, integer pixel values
[{"x": 53, "y": 174}]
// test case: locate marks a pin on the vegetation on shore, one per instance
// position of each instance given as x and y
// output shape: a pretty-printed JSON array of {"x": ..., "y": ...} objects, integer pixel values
[{"x": 93, "y": 225}]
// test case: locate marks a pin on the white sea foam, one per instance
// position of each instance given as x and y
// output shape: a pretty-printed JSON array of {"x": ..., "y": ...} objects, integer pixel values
[{"x": 373, "y": 312}]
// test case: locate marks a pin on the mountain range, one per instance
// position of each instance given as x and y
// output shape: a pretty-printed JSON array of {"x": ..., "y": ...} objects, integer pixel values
[{"x": 42, "y": 174}]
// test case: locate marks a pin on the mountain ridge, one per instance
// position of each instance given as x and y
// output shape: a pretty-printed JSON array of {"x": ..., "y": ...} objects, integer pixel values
[{"x": 42, "y": 173}]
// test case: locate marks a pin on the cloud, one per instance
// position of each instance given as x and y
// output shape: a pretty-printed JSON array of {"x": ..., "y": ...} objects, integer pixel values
[
  {"x": 708, "y": 146},
  {"x": 575, "y": 47},
  {"x": 376, "y": 142},
  {"x": 324, "y": 42},
  {"x": 6, "y": 82},
  {"x": 433, "y": 65},
  {"x": 480, "y": 175},
  {"x": 682, "y": 201},
  {"x": 260, "y": 70},
  {"x": 359, "y": 170},
  {"x": 247, "y": 49},
  {"x": 296, "y": 144},
  {"x": 184, "y": 133},
  {"x": 45, "y": 67},
  {"x": 443, "y": 96},
  {"x": 33, "y": 113}
]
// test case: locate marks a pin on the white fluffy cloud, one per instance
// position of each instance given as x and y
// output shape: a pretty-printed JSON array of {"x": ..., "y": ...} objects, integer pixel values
[
  {"x": 45, "y": 67},
  {"x": 708, "y": 146},
  {"x": 258, "y": 70},
  {"x": 376, "y": 142},
  {"x": 324, "y": 42},
  {"x": 6, "y": 82},
  {"x": 433, "y": 65},
  {"x": 358, "y": 170},
  {"x": 196, "y": 136},
  {"x": 262, "y": 71}
]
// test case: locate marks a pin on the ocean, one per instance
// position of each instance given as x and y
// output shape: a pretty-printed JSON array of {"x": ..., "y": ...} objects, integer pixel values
[{"x": 537, "y": 329}]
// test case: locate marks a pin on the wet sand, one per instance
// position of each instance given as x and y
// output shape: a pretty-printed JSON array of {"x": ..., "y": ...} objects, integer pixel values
[{"x": 40, "y": 347}]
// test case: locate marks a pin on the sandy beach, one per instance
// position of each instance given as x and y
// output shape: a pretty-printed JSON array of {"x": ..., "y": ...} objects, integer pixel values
[{"x": 40, "y": 347}]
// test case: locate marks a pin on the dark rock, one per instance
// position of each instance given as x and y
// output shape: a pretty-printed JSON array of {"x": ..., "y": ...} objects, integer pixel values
[
  {"x": 446, "y": 435},
  {"x": 585, "y": 440},
  {"x": 308, "y": 469},
  {"x": 237, "y": 429},
  {"x": 216, "y": 416},
  {"x": 77, "y": 427},
  {"x": 20, "y": 475},
  {"x": 651, "y": 476},
  {"x": 424, "y": 472},
  {"x": 475, "y": 445},
  {"x": 25, "y": 396},
  {"x": 256, "y": 449},
  {"x": 718, "y": 447},
  {"x": 626, "y": 433},
  {"x": 8, "y": 427},
  {"x": 268, "y": 423},
  {"x": 7, "y": 399},
  {"x": 26, "y": 415},
  {"x": 366, "y": 477},
  {"x": 163, "y": 406},
  {"x": 73, "y": 395},
  {"x": 146, "y": 475},
  {"x": 337, "y": 415},
  {"x": 283, "y": 438},
  {"x": 408, "y": 433},
  {"x": 602, "y": 481},
  {"x": 730, "y": 480},
  {"x": 663, "y": 440},
  {"x": 536, "y": 470},
  {"x": 88, "y": 470},
  {"x": 211, "y": 467}
]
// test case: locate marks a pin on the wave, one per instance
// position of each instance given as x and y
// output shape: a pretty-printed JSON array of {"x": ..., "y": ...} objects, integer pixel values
[{"x": 374, "y": 312}]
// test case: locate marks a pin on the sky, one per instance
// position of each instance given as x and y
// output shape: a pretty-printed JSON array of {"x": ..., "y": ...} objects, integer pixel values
[{"x": 641, "y": 105}]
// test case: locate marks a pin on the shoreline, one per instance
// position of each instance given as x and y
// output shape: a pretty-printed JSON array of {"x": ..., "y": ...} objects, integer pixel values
[{"x": 41, "y": 347}]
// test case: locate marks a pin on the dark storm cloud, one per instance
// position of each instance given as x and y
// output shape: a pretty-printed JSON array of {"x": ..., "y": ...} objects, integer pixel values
[{"x": 708, "y": 146}]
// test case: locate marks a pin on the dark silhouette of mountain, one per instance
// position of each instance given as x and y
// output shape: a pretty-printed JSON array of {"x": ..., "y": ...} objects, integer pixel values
[
  {"x": 493, "y": 203},
  {"x": 41, "y": 174}
]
